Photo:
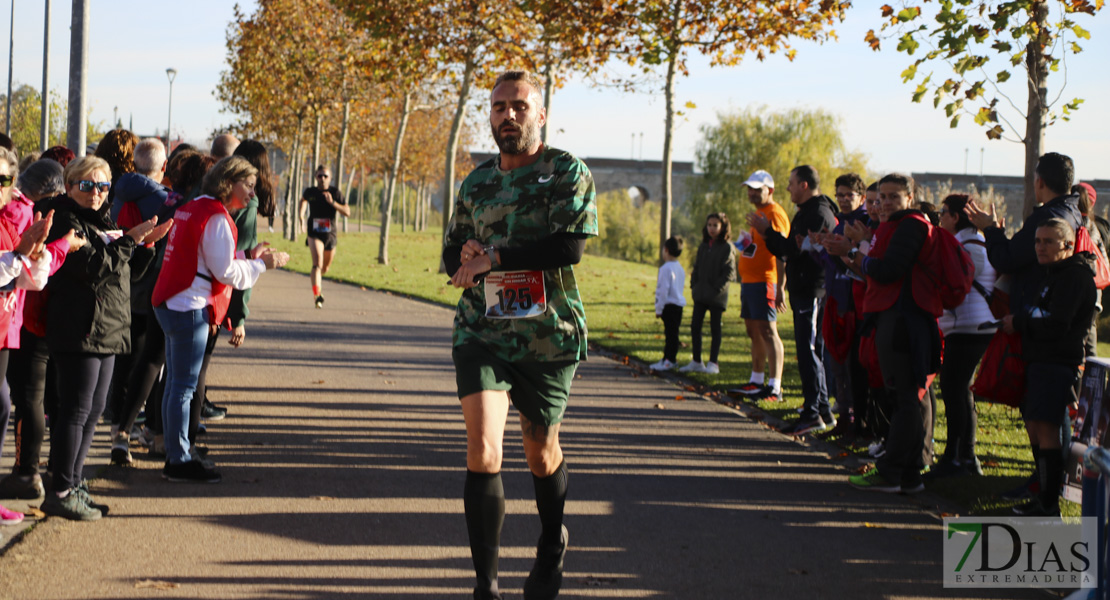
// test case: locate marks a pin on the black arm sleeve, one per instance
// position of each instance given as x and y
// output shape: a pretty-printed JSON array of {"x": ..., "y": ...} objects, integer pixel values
[
  {"x": 452, "y": 259},
  {"x": 552, "y": 252}
]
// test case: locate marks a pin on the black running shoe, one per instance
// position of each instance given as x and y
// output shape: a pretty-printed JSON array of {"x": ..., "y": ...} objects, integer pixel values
[
  {"x": 319, "y": 302},
  {"x": 193, "y": 471},
  {"x": 211, "y": 412},
  {"x": 546, "y": 578}
]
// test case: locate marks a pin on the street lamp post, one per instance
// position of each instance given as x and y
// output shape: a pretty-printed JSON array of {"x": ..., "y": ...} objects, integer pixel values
[{"x": 170, "y": 74}]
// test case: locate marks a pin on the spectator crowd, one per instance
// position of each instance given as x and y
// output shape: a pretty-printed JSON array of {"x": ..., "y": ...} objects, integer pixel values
[
  {"x": 887, "y": 294},
  {"x": 117, "y": 272}
]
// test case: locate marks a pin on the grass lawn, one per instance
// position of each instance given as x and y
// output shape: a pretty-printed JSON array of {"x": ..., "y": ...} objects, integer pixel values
[{"x": 619, "y": 299}]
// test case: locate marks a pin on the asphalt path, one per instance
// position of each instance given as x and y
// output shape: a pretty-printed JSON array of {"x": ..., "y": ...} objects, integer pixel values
[{"x": 343, "y": 459}]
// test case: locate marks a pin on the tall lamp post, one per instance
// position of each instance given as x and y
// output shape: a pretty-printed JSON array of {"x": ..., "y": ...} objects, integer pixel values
[{"x": 170, "y": 74}]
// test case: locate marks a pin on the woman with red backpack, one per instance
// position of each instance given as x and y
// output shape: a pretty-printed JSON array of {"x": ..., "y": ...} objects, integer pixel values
[
  {"x": 902, "y": 303},
  {"x": 965, "y": 341}
]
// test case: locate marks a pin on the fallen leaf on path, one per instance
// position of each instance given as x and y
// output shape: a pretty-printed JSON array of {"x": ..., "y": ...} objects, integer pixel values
[
  {"x": 873, "y": 526},
  {"x": 660, "y": 406},
  {"x": 679, "y": 398},
  {"x": 33, "y": 511},
  {"x": 154, "y": 584},
  {"x": 396, "y": 270},
  {"x": 944, "y": 515},
  {"x": 323, "y": 498},
  {"x": 318, "y": 382}
]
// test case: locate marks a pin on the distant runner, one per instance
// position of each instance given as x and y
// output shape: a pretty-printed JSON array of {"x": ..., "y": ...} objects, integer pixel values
[{"x": 324, "y": 201}]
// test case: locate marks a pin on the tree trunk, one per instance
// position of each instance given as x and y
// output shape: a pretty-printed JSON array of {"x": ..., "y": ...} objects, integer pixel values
[
  {"x": 453, "y": 141},
  {"x": 292, "y": 202},
  {"x": 665, "y": 202},
  {"x": 394, "y": 169},
  {"x": 340, "y": 156},
  {"x": 548, "y": 91},
  {"x": 404, "y": 205},
  {"x": 316, "y": 139},
  {"x": 1037, "y": 102}
]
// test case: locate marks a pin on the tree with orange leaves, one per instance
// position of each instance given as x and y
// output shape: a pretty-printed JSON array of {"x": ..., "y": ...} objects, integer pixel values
[{"x": 664, "y": 32}]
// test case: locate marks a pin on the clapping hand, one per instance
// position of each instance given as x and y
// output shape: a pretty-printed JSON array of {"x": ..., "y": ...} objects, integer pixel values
[{"x": 33, "y": 240}]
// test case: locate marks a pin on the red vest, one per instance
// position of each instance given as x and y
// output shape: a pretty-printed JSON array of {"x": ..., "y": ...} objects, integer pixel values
[
  {"x": 179, "y": 267},
  {"x": 882, "y": 296}
]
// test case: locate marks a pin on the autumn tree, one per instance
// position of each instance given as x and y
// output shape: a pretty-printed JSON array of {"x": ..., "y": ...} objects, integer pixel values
[
  {"x": 664, "y": 32},
  {"x": 980, "y": 43},
  {"x": 776, "y": 141}
]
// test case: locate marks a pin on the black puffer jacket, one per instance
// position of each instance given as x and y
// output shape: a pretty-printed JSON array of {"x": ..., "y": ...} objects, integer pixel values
[
  {"x": 89, "y": 304},
  {"x": 714, "y": 268},
  {"x": 1054, "y": 320}
]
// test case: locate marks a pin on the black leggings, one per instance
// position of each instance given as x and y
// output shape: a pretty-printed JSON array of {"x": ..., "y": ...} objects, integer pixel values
[
  {"x": 696, "y": 322},
  {"x": 83, "y": 381},
  {"x": 148, "y": 353},
  {"x": 962, "y": 353},
  {"x": 672, "y": 320},
  {"x": 28, "y": 373},
  {"x": 5, "y": 399}
]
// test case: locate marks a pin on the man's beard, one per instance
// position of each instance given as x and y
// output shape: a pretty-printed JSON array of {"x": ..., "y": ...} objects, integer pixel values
[{"x": 526, "y": 138}]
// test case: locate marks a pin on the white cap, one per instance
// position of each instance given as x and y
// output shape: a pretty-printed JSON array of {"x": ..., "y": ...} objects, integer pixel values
[{"x": 760, "y": 179}]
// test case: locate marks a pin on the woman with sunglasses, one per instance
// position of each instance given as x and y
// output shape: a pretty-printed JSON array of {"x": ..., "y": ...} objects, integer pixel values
[
  {"x": 88, "y": 321},
  {"x": 24, "y": 264},
  {"x": 192, "y": 295}
]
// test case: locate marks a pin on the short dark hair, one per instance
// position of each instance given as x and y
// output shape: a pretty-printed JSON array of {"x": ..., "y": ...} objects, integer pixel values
[
  {"x": 930, "y": 211},
  {"x": 851, "y": 181},
  {"x": 726, "y": 228},
  {"x": 956, "y": 203},
  {"x": 874, "y": 187},
  {"x": 1056, "y": 171},
  {"x": 807, "y": 175},
  {"x": 899, "y": 179},
  {"x": 526, "y": 76},
  {"x": 674, "y": 245}
]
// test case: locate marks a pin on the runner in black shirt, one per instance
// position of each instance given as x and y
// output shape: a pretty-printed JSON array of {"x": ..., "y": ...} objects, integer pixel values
[{"x": 324, "y": 201}]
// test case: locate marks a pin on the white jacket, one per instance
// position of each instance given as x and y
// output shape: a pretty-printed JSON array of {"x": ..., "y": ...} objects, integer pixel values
[
  {"x": 974, "y": 310},
  {"x": 668, "y": 289}
]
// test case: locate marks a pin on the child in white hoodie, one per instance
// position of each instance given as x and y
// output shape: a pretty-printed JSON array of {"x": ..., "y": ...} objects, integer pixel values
[{"x": 669, "y": 301}]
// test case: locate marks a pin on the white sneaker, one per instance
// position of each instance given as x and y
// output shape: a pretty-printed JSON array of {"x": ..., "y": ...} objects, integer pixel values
[
  {"x": 693, "y": 367},
  {"x": 712, "y": 368},
  {"x": 663, "y": 365}
]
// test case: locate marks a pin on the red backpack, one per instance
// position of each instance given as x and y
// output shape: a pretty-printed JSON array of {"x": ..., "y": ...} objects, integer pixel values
[
  {"x": 1084, "y": 243},
  {"x": 948, "y": 267}
]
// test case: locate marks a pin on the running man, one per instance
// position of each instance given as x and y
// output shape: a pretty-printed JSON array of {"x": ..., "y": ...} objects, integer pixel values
[
  {"x": 323, "y": 200},
  {"x": 521, "y": 220}
]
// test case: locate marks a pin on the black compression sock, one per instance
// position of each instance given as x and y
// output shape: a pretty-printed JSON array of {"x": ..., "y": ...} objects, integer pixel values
[
  {"x": 484, "y": 504},
  {"x": 551, "y": 496},
  {"x": 1051, "y": 465}
]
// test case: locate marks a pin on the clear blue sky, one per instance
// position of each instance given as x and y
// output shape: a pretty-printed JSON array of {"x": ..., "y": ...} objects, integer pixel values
[{"x": 132, "y": 43}]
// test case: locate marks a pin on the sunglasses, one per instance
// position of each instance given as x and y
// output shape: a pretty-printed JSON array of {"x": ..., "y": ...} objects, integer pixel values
[
  {"x": 88, "y": 186},
  {"x": 322, "y": 176},
  {"x": 6, "y": 181}
]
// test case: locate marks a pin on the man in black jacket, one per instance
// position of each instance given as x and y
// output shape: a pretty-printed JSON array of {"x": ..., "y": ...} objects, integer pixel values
[
  {"x": 1017, "y": 256},
  {"x": 805, "y": 282}
]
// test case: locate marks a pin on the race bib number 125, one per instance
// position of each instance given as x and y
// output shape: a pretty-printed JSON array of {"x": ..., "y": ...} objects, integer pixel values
[{"x": 515, "y": 295}]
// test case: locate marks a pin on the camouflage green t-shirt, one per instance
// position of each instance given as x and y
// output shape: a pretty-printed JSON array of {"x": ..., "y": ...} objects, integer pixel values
[{"x": 553, "y": 195}]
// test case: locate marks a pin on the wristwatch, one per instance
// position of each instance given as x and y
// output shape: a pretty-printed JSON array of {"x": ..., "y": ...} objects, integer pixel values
[
  {"x": 491, "y": 252},
  {"x": 853, "y": 253}
]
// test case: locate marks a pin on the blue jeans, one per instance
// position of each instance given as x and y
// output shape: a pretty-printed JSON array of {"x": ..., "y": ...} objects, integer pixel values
[
  {"x": 811, "y": 349},
  {"x": 186, "y": 337}
]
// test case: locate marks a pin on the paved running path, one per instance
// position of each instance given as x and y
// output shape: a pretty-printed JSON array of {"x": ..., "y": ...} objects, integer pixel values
[{"x": 343, "y": 460}]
